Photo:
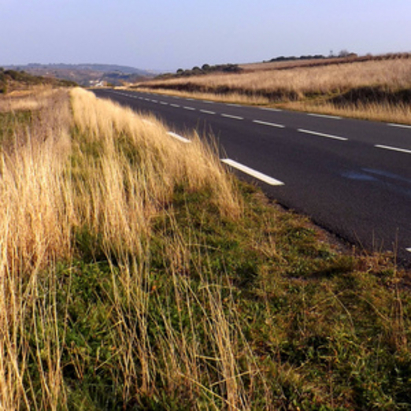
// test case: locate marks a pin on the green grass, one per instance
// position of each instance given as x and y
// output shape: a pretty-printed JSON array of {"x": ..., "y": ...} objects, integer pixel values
[{"x": 322, "y": 333}]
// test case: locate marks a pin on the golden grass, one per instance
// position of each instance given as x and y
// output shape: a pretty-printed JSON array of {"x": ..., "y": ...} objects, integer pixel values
[
  {"x": 392, "y": 74},
  {"x": 378, "y": 85},
  {"x": 109, "y": 173}
]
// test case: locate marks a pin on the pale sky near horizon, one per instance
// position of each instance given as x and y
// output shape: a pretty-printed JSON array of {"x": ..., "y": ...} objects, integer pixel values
[{"x": 168, "y": 34}]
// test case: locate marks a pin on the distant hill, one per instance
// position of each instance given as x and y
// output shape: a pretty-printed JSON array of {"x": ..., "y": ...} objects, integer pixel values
[
  {"x": 86, "y": 74},
  {"x": 11, "y": 80}
]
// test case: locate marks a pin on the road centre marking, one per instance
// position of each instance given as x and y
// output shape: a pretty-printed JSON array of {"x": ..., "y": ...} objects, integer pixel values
[
  {"x": 233, "y": 105},
  {"x": 399, "y": 125},
  {"x": 256, "y": 174},
  {"x": 189, "y": 108},
  {"x": 178, "y": 137},
  {"x": 233, "y": 117},
  {"x": 322, "y": 134},
  {"x": 163, "y": 103},
  {"x": 207, "y": 112},
  {"x": 265, "y": 123},
  {"x": 324, "y": 116},
  {"x": 402, "y": 150},
  {"x": 174, "y": 105},
  {"x": 270, "y": 109}
]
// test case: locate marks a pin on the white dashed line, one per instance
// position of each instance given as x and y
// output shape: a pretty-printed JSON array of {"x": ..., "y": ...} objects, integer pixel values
[
  {"x": 399, "y": 125},
  {"x": 178, "y": 137},
  {"x": 314, "y": 133},
  {"x": 154, "y": 101},
  {"x": 402, "y": 150},
  {"x": 233, "y": 105},
  {"x": 207, "y": 112},
  {"x": 174, "y": 105},
  {"x": 233, "y": 117},
  {"x": 163, "y": 103},
  {"x": 208, "y": 101},
  {"x": 324, "y": 116},
  {"x": 270, "y": 109},
  {"x": 189, "y": 108},
  {"x": 265, "y": 123},
  {"x": 256, "y": 174}
]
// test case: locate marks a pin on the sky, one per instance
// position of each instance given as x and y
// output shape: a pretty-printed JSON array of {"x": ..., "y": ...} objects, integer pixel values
[{"x": 172, "y": 34}]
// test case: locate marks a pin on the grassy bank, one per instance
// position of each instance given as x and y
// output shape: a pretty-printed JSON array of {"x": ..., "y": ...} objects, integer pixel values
[
  {"x": 136, "y": 274},
  {"x": 374, "y": 89}
]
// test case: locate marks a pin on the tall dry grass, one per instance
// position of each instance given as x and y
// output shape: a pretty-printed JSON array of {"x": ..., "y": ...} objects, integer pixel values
[
  {"x": 100, "y": 171},
  {"x": 374, "y": 89},
  {"x": 391, "y": 74}
]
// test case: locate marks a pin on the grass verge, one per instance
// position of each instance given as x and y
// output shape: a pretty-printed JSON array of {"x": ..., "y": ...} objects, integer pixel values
[{"x": 136, "y": 274}]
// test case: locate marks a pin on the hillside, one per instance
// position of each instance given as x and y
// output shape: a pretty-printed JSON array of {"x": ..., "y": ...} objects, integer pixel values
[
  {"x": 87, "y": 74},
  {"x": 371, "y": 87},
  {"x": 12, "y": 80}
]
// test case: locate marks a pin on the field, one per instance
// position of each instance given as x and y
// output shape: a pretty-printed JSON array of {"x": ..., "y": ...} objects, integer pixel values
[
  {"x": 377, "y": 89},
  {"x": 136, "y": 273}
]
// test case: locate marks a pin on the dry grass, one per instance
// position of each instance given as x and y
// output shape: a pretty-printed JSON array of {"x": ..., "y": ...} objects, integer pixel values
[{"x": 377, "y": 89}]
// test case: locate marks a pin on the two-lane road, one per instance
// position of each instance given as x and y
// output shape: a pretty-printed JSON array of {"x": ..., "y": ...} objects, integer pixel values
[{"x": 352, "y": 177}]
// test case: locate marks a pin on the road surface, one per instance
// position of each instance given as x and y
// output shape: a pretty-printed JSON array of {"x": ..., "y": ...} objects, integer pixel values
[{"x": 351, "y": 177}]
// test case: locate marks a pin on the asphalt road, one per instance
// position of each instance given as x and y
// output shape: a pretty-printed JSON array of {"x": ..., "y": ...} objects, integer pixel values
[{"x": 351, "y": 177}]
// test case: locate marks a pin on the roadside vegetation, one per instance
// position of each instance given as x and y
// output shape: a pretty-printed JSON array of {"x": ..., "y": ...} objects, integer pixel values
[
  {"x": 376, "y": 88},
  {"x": 137, "y": 274}
]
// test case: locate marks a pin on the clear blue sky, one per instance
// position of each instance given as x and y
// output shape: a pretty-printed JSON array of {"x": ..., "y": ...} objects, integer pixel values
[{"x": 168, "y": 34}]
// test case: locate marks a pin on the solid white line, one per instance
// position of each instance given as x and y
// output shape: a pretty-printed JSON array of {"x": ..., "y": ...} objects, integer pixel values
[
  {"x": 402, "y": 150},
  {"x": 265, "y": 123},
  {"x": 207, "y": 112},
  {"x": 174, "y": 105},
  {"x": 270, "y": 109},
  {"x": 189, "y": 108},
  {"x": 253, "y": 173},
  {"x": 399, "y": 125},
  {"x": 233, "y": 117},
  {"x": 324, "y": 116},
  {"x": 178, "y": 137},
  {"x": 322, "y": 134}
]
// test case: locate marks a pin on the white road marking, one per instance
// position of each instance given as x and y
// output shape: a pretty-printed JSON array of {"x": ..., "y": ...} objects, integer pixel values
[
  {"x": 207, "y": 112},
  {"x": 324, "y": 116},
  {"x": 178, "y": 137},
  {"x": 322, "y": 134},
  {"x": 233, "y": 105},
  {"x": 154, "y": 101},
  {"x": 408, "y": 249},
  {"x": 265, "y": 123},
  {"x": 399, "y": 125},
  {"x": 256, "y": 174},
  {"x": 174, "y": 105},
  {"x": 270, "y": 109},
  {"x": 189, "y": 108},
  {"x": 190, "y": 99},
  {"x": 208, "y": 101},
  {"x": 233, "y": 117},
  {"x": 402, "y": 150},
  {"x": 163, "y": 103}
]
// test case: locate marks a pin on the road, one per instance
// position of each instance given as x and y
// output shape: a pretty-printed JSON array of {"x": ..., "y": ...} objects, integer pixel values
[{"x": 351, "y": 177}]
